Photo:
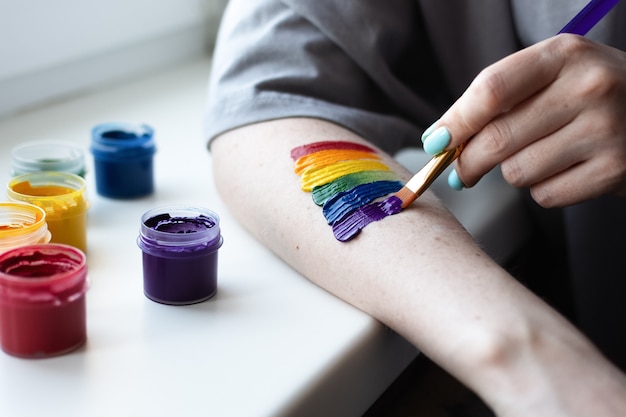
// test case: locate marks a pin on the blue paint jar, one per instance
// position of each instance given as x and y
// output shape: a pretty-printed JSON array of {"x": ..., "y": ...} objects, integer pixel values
[
  {"x": 180, "y": 246},
  {"x": 123, "y": 159}
]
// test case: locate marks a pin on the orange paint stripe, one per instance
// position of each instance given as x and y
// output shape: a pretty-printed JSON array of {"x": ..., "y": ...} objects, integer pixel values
[{"x": 328, "y": 157}]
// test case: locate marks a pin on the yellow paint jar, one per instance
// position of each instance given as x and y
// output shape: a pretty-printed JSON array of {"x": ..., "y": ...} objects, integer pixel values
[
  {"x": 63, "y": 196},
  {"x": 22, "y": 224}
]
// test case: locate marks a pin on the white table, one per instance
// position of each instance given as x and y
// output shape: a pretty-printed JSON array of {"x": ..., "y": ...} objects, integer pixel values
[{"x": 269, "y": 343}]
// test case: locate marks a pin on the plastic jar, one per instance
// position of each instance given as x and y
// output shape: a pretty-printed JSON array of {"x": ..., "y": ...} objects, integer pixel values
[
  {"x": 123, "y": 159},
  {"x": 42, "y": 300},
  {"x": 180, "y": 247},
  {"x": 22, "y": 224},
  {"x": 47, "y": 156},
  {"x": 63, "y": 196}
]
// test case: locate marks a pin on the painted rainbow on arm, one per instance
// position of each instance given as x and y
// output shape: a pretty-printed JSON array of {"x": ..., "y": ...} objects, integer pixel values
[{"x": 347, "y": 179}]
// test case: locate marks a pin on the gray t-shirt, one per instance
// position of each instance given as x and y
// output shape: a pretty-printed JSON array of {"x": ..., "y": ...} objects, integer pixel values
[{"x": 384, "y": 69}]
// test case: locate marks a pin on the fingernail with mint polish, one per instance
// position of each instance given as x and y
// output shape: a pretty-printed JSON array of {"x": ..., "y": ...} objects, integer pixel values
[
  {"x": 454, "y": 181},
  {"x": 428, "y": 131},
  {"x": 437, "y": 141}
]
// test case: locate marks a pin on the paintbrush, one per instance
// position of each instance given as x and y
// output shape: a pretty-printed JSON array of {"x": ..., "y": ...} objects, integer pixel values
[
  {"x": 580, "y": 24},
  {"x": 420, "y": 182}
]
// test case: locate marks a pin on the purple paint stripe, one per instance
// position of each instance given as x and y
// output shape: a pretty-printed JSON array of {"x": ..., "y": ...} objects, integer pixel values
[
  {"x": 345, "y": 202},
  {"x": 351, "y": 225}
]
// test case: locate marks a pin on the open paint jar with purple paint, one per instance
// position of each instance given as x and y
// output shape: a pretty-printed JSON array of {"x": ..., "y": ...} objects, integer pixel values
[{"x": 180, "y": 247}]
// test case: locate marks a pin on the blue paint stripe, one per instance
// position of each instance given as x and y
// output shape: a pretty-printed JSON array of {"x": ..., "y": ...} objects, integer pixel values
[{"x": 345, "y": 202}]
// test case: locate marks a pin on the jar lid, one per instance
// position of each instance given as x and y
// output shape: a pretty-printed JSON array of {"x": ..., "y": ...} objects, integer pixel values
[
  {"x": 50, "y": 273},
  {"x": 22, "y": 223},
  {"x": 122, "y": 140},
  {"x": 55, "y": 192},
  {"x": 47, "y": 156},
  {"x": 179, "y": 226}
]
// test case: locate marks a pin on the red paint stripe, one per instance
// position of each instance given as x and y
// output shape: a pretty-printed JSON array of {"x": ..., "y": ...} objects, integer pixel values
[{"x": 307, "y": 149}]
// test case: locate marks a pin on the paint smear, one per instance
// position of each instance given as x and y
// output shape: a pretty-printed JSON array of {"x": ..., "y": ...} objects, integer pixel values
[
  {"x": 348, "y": 180},
  {"x": 25, "y": 187},
  {"x": 345, "y": 202},
  {"x": 13, "y": 226},
  {"x": 177, "y": 224},
  {"x": 329, "y": 157},
  {"x": 315, "y": 176},
  {"x": 345, "y": 183},
  {"x": 303, "y": 150},
  {"x": 352, "y": 224},
  {"x": 39, "y": 265}
]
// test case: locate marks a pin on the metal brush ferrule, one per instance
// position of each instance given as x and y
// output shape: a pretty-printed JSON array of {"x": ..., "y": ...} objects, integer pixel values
[{"x": 438, "y": 163}]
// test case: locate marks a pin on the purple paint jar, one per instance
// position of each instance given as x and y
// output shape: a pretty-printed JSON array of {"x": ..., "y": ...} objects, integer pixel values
[
  {"x": 180, "y": 246},
  {"x": 123, "y": 159}
]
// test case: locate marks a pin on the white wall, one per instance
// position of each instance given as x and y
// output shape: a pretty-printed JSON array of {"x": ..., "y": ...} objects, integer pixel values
[{"x": 50, "y": 49}]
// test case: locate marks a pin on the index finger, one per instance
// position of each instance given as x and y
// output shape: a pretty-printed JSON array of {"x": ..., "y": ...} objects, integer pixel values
[{"x": 498, "y": 88}]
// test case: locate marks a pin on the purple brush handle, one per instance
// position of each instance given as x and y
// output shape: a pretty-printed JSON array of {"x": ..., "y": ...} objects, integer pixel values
[{"x": 587, "y": 18}]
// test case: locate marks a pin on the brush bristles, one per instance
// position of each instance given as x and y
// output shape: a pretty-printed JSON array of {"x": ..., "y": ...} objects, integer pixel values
[{"x": 406, "y": 196}]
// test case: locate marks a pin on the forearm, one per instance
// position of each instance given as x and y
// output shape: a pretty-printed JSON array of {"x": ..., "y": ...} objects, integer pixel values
[{"x": 418, "y": 272}]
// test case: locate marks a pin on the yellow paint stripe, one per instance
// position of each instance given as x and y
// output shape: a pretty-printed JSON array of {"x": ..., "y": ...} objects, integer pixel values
[{"x": 317, "y": 176}]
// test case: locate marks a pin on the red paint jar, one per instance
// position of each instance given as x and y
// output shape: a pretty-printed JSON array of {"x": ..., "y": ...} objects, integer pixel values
[{"x": 42, "y": 300}]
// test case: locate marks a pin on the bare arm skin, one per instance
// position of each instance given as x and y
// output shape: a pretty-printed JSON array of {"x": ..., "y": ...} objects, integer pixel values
[
  {"x": 429, "y": 281},
  {"x": 558, "y": 126}
]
